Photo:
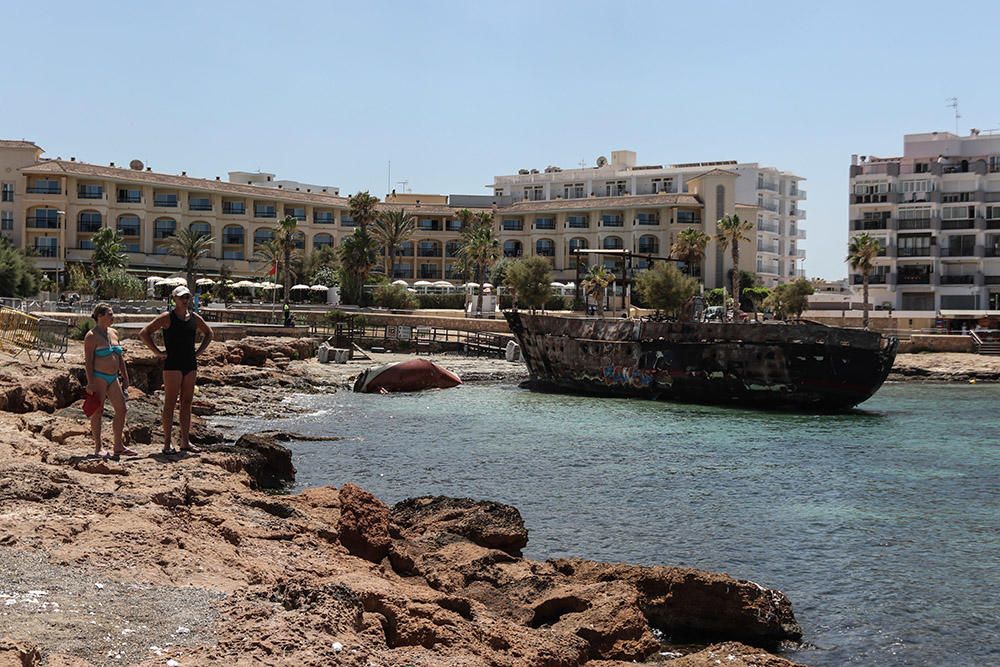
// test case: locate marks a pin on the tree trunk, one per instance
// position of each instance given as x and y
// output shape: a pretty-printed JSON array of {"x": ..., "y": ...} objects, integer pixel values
[
  {"x": 736, "y": 277},
  {"x": 288, "y": 258},
  {"x": 601, "y": 294},
  {"x": 392, "y": 263},
  {"x": 479, "y": 300},
  {"x": 864, "y": 302}
]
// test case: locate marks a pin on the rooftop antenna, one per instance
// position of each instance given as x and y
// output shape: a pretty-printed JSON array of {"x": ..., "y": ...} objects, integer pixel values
[
  {"x": 403, "y": 186},
  {"x": 582, "y": 163},
  {"x": 388, "y": 177},
  {"x": 953, "y": 104}
]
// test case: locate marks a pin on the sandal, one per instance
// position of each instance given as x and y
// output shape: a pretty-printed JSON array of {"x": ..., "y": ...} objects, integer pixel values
[
  {"x": 125, "y": 451},
  {"x": 168, "y": 450},
  {"x": 190, "y": 449}
]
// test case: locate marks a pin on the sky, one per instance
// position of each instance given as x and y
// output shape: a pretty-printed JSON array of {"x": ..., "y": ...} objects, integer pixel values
[{"x": 455, "y": 93}]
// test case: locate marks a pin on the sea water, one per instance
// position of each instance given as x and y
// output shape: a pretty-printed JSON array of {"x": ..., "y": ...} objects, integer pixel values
[{"x": 882, "y": 525}]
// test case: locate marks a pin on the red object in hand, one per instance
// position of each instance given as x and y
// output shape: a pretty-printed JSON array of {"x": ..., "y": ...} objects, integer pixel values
[{"x": 91, "y": 404}]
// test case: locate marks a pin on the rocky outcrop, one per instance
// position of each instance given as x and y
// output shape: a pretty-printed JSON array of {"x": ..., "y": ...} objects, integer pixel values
[
  {"x": 268, "y": 464},
  {"x": 488, "y": 524},
  {"x": 364, "y": 523},
  {"x": 26, "y": 387}
]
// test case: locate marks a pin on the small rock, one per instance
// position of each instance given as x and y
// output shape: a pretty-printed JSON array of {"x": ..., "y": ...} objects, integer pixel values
[
  {"x": 181, "y": 630},
  {"x": 337, "y": 647}
]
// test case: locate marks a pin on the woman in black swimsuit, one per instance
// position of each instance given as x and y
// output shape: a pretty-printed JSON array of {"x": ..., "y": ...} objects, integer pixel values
[{"x": 180, "y": 365}]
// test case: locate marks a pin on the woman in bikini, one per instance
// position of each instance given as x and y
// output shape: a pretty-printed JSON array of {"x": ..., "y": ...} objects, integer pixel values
[
  {"x": 107, "y": 377},
  {"x": 180, "y": 365}
]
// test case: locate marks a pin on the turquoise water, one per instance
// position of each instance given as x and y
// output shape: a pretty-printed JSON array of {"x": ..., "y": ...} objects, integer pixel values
[{"x": 882, "y": 526}]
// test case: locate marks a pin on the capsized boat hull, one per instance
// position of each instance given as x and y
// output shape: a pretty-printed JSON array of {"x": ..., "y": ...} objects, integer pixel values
[
  {"x": 804, "y": 367},
  {"x": 402, "y": 376}
]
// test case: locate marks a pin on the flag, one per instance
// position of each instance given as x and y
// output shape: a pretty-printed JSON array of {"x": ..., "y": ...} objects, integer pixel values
[{"x": 274, "y": 270}]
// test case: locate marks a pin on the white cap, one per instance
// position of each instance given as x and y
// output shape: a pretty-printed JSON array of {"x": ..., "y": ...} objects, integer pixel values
[{"x": 180, "y": 290}]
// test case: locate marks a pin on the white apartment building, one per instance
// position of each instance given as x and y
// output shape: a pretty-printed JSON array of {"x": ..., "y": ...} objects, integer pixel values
[
  {"x": 936, "y": 213},
  {"x": 775, "y": 195},
  {"x": 266, "y": 180}
]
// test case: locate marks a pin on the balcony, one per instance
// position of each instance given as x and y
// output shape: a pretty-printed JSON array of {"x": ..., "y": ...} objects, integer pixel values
[
  {"x": 429, "y": 225},
  {"x": 577, "y": 223},
  {"x": 880, "y": 198},
  {"x": 323, "y": 218},
  {"x": 957, "y": 251},
  {"x": 873, "y": 279},
  {"x": 45, "y": 251},
  {"x": 90, "y": 193},
  {"x": 299, "y": 215},
  {"x": 232, "y": 239},
  {"x": 42, "y": 223},
  {"x": 265, "y": 213},
  {"x": 768, "y": 206},
  {"x": 165, "y": 202},
  {"x": 234, "y": 209},
  {"x": 764, "y": 247},
  {"x": 770, "y": 228},
  {"x": 958, "y": 280},
  {"x": 797, "y": 213},
  {"x": 88, "y": 227},
  {"x": 914, "y": 223},
  {"x": 798, "y": 194},
  {"x": 798, "y": 234},
  {"x": 965, "y": 223},
  {"x": 767, "y": 185},
  {"x": 200, "y": 205},
  {"x": 453, "y": 225},
  {"x": 44, "y": 190},
  {"x": 869, "y": 225},
  {"x": 545, "y": 223},
  {"x": 512, "y": 226},
  {"x": 650, "y": 220},
  {"x": 914, "y": 278},
  {"x": 799, "y": 252},
  {"x": 913, "y": 252},
  {"x": 611, "y": 221}
]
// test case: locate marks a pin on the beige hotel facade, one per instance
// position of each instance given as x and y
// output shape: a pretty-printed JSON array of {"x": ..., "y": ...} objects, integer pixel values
[{"x": 53, "y": 207}]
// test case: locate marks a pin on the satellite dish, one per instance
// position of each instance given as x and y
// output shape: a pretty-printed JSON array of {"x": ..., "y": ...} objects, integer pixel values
[
  {"x": 602, "y": 161},
  {"x": 137, "y": 165}
]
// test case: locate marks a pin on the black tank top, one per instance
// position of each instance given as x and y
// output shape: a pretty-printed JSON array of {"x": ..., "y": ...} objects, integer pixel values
[{"x": 179, "y": 341}]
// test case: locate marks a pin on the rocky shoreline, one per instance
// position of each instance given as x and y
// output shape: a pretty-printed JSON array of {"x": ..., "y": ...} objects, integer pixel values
[{"x": 196, "y": 560}]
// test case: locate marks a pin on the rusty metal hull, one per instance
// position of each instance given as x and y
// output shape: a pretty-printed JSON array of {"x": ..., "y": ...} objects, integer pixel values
[{"x": 805, "y": 367}]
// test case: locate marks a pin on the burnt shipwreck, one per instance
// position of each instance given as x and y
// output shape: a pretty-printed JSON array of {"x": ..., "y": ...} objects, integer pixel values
[{"x": 772, "y": 366}]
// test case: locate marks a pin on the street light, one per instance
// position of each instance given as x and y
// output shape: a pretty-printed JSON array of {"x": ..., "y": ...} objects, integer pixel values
[{"x": 61, "y": 252}]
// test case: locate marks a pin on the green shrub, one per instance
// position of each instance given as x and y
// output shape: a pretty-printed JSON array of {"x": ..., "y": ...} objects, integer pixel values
[
  {"x": 441, "y": 301},
  {"x": 394, "y": 297},
  {"x": 79, "y": 330}
]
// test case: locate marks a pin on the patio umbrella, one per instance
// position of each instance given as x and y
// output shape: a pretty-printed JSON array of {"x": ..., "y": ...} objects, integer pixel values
[
  {"x": 556, "y": 284},
  {"x": 297, "y": 287},
  {"x": 244, "y": 283},
  {"x": 318, "y": 288},
  {"x": 442, "y": 283},
  {"x": 422, "y": 283},
  {"x": 471, "y": 285},
  {"x": 204, "y": 281},
  {"x": 270, "y": 286},
  {"x": 400, "y": 282}
]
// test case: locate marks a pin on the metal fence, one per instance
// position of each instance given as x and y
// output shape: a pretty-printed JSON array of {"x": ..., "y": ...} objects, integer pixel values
[
  {"x": 420, "y": 339},
  {"x": 39, "y": 336}
]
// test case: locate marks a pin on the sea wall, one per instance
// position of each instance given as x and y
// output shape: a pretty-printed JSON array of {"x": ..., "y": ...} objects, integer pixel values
[{"x": 937, "y": 343}]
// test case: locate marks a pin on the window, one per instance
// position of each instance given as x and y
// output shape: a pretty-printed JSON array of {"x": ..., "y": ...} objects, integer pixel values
[
  {"x": 916, "y": 186},
  {"x": 545, "y": 248},
  {"x": 872, "y": 188},
  {"x": 512, "y": 248},
  {"x": 577, "y": 244},
  {"x": 85, "y": 191},
  {"x": 128, "y": 225},
  {"x": 451, "y": 248},
  {"x": 297, "y": 212},
  {"x": 611, "y": 220},
  {"x": 429, "y": 249},
  {"x": 913, "y": 246},
  {"x": 233, "y": 235},
  {"x": 577, "y": 221},
  {"x": 958, "y": 212},
  {"x": 234, "y": 207},
  {"x": 954, "y": 197},
  {"x": 129, "y": 195},
  {"x": 573, "y": 191},
  {"x": 614, "y": 188},
  {"x": 993, "y": 212},
  {"x": 6, "y": 192},
  {"x": 648, "y": 218},
  {"x": 534, "y": 193},
  {"x": 46, "y": 246},
  {"x": 649, "y": 244},
  {"x": 994, "y": 164},
  {"x": 545, "y": 223},
  {"x": 88, "y": 222},
  {"x": 688, "y": 218},
  {"x": 6, "y": 221},
  {"x": 512, "y": 224},
  {"x": 453, "y": 225},
  {"x": 960, "y": 245},
  {"x": 429, "y": 271},
  {"x": 613, "y": 243},
  {"x": 165, "y": 199},
  {"x": 164, "y": 228},
  {"x": 299, "y": 240},
  {"x": 264, "y": 210},
  {"x": 323, "y": 217},
  {"x": 200, "y": 228},
  {"x": 232, "y": 254},
  {"x": 262, "y": 236},
  {"x": 429, "y": 225},
  {"x": 663, "y": 185},
  {"x": 44, "y": 186},
  {"x": 347, "y": 221},
  {"x": 406, "y": 249},
  {"x": 200, "y": 203}
]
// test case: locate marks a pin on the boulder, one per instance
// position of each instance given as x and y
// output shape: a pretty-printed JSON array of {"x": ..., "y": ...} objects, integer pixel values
[
  {"x": 26, "y": 387},
  {"x": 486, "y": 523},
  {"x": 268, "y": 463},
  {"x": 363, "y": 524}
]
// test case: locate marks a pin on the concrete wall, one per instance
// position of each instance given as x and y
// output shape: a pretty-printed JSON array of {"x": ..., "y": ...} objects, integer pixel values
[{"x": 936, "y": 343}]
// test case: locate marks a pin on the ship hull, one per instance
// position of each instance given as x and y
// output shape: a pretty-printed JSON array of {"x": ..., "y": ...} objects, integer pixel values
[{"x": 802, "y": 367}]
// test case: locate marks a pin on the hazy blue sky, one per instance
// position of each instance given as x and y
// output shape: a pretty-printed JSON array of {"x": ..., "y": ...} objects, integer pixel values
[{"x": 455, "y": 93}]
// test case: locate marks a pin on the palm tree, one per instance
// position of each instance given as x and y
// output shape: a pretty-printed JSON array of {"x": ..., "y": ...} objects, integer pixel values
[
  {"x": 286, "y": 240},
  {"x": 466, "y": 217},
  {"x": 479, "y": 250},
  {"x": 190, "y": 246},
  {"x": 391, "y": 229},
  {"x": 109, "y": 249},
  {"x": 271, "y": 253},
  {"x": 690, "y": 248},
  {"x": 861, "y": 254},
  {"x": 357, "y": 254},
  {"x": 595, "y": 284},
  {"x": 362, "y": 209},
  {"x": 731, "y": 231}
]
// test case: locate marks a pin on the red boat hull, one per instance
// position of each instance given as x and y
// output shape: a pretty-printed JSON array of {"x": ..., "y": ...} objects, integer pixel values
[{"x": 411, "y": 375}]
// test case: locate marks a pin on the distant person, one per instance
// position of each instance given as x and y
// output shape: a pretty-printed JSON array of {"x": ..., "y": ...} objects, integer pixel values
[
  {"x": 287, "y": 311},
  {"x": 107, "y": 377},
  {"x": 180, "y": 327}
]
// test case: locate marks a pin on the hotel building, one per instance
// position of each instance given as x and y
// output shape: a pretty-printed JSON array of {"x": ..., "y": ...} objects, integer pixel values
[
  {"x": 53, "y": 207},
  {"x": 936, "y": 214},
  {"x": 619, "y": 203}
]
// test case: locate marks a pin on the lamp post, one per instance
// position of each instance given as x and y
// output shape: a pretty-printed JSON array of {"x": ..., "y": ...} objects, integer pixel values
[{"x": 61, "y": 253}]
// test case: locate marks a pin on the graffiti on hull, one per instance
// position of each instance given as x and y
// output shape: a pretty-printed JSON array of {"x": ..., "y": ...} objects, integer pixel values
[{"x": 627, "y": 376}]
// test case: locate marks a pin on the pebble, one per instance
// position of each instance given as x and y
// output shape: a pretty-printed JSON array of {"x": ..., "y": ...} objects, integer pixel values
[{"x": 337, "y": 647}]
